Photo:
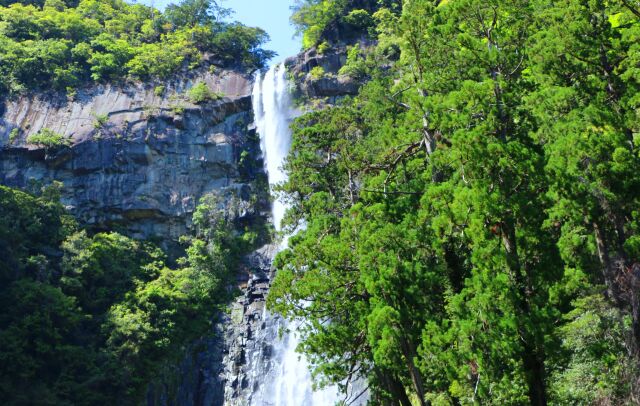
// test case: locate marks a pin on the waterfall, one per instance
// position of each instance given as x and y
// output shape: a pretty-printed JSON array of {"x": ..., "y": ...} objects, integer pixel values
[
  {"x": 273, "y": 114},
  {"x": 288, "y": 381}
]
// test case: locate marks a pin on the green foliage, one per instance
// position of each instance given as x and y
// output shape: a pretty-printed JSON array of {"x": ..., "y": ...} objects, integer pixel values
[
  {"x": 200, "y": 93},
  {"x": 359, "y": 18},
  {"x": 101, "y": 120},
  {"x": 178, "y": 109},
  {"x": 471, "y": 216},
  {"x": 323, "y": 47},
  {"x": 317, "y": 72},
  {"x": 239, "y": 46},
  {"x": 13, "y": 135},
  {"x": 93, "y": 319},
  {"x": 193, "y": 12},
  {"x": 355, "y": 66},
  {"x": 48, "y": 139},
  {"x": 64, "y": 44},
  {"x": 159, "y": 90},
  {"x": 312, "y": 17},
  {"x": 597, "y": 370},
  {"x": 319, "y": 20}
]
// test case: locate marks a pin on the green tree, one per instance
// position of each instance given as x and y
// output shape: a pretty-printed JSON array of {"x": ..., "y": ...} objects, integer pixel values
[
  {"x": 587, "y": 129},
  {"x": 60, "y": 45},
  {"x": 94, "y": 319}
]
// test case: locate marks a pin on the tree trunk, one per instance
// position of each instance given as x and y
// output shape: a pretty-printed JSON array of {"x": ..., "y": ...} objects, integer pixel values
[
  {"x": 395, "y": 388},
  {"x": 608, "y": 271},
  {"x": 409, "y": 354},
  {"x": 535, "y": 373},
  {"x": 532, "y": 355}
]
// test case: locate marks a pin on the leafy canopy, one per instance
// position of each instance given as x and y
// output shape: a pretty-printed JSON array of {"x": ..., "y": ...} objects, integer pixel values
[{"x": 61, "y": 45}]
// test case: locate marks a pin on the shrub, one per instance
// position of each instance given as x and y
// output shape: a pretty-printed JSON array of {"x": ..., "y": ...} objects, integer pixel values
[
  {"x": 355, "y": 66},
  {"x": 71, "y": 93},
  {"x": 13, "y": 135},
  {"x": 101, "y": 120},
  {"x": 359, "y": 19},
  {"x": 323, "y": 47},
  {"x": 159, "y": 90},
  {"x": 48, "y": 139},
  {"x": 178, "y": 109},
  {"x": 201, "y": 93},
  {"x": 317, "y": 72}
]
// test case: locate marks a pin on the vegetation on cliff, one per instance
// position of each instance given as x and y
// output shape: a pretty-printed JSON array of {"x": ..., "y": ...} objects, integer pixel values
[
  {"x": 472, "y": 229},
  {"x": 336, "y": 20},
  {"x": 55, "y": 44},
  {"x": 92, "y": 319}
]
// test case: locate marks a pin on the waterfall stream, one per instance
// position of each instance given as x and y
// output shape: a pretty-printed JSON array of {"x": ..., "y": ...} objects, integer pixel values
[{"x": 288, "y": 381}]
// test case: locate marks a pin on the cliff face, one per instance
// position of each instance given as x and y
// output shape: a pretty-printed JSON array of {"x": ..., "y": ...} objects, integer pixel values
[
  {"x": 140, "y": 156},
  {"x": 331, "y": 85}
]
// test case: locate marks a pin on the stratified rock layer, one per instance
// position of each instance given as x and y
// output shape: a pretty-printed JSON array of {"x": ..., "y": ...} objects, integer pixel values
[{"x": 141, "y": 155}]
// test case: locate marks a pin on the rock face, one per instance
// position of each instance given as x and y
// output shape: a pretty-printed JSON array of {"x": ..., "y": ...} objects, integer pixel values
[
  {"x": 140, "y": 156},
  {"x": 249, "y": 336},
  {"x": 331, "y": 84}
]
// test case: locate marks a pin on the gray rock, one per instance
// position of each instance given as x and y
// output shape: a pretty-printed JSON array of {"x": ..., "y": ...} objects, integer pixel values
[
  {"x": 143, "y": 168},
  {"x": 332, "y": 84}
]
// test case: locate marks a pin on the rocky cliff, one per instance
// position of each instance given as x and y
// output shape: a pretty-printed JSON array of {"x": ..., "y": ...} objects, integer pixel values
[
  {"x": 139, "y": 156},
  {"x": 330, "y": 85}
]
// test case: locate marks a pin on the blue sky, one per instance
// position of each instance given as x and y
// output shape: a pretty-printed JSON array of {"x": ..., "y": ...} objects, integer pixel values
[{"x": 270, "y": 15}]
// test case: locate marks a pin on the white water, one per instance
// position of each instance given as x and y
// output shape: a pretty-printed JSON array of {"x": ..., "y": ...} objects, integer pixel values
[
  {"x": 273, "y": 113},
  {"x": 290, "y": 384}
]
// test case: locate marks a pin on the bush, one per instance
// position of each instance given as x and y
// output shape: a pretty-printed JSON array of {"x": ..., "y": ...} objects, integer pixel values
[
  {"x": 48, "y": 139},
  {"x": 323, "y": 47},
  {"x": 62, "y": 48},
  {"x": 13, "y": 135},
  {"x": 101, "y": 120},
  {"x": 317, "y": 72},
  {"x": 201, "y": 93},
  {"x": 359, "y": 19},
  {"x": 355, "y": 66}
]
